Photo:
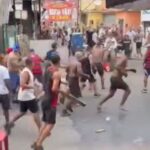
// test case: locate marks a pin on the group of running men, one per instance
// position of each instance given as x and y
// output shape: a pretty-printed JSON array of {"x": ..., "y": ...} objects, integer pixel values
[{"x": 81, "y": 67}]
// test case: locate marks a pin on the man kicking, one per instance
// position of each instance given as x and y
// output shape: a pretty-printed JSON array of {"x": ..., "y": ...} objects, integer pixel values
[{"x": 117, "y": 82}]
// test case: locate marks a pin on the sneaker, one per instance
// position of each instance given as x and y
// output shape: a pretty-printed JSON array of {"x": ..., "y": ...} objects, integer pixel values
[
  {"x": 123, "y": 109},
  {"x": 65, "y": 113},
  {"x": 99, "y": 108},
  {"x": 144, "y": 91},
  {"x": 97, "y": 95}
]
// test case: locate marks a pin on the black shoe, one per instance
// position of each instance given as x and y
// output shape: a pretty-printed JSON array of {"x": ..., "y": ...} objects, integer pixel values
[
  {"x": 7, "y": 129},
  {"x": 65, "y": 113},
  {"x": 38, "y": 147},
  {"x": 99, "y": 108},
  {"x": 97, "y": 95},
  {"x": 70, "y": 109}
]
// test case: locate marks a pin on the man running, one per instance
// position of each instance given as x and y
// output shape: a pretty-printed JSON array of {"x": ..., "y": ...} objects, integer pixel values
[
  {"x": 146, "y": 69},
  {"x": 4, "y": 90},
  {"x": 87, "y": 69},
  {"x": 117, "y": 82},
  {"x": 26, "y": 95},
  {"x": 49, "y": 105},
  {"x": 13, "y": 64},
  {"x": 97, "y": 61}
]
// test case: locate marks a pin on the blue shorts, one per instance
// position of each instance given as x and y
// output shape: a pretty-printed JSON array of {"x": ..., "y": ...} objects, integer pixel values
[
  {"x": 147, "y": 72},
  {"x": 15, "y": 80}
]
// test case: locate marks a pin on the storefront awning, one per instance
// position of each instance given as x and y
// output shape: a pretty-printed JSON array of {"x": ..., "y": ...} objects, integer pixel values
[
  {"x": 112, "y": 3},
  {"x": 136, "y": 5}
]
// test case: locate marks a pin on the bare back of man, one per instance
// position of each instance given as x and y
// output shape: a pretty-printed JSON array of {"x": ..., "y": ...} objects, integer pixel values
[
  {"x": 97, "y": 62},
  {"x": 97, "y": 54},
  {"x": 117, "y": 82},
  {"x": 73, "y": 77},
  {"x": 13, "y": 62}
]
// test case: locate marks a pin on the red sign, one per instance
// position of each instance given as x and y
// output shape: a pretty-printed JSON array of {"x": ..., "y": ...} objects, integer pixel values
[{"x": 59, "y": 11}]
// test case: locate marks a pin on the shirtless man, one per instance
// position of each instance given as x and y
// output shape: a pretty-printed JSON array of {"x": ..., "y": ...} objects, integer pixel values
[
  {"x": 97, "y": 61},
  {"x": 117, "y": 82},
  {"x": 74, "y": 71},
  {"x": 13, "y": 64}
]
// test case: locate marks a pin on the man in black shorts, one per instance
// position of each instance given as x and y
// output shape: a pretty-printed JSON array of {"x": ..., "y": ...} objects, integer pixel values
[
  {"x": 26, "y": 95},
  {"x": 118, "y": 83},
  {"x": 87, "y": 69},
  {"x": 96, "y": 58},
  {"x": 49, "y": 104},
  {"x": 4, "y": 90},
  {"x": 138, "y": 40}
]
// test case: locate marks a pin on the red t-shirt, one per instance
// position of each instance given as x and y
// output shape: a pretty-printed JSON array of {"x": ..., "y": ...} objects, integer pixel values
[{"x": 37, "y": 68}]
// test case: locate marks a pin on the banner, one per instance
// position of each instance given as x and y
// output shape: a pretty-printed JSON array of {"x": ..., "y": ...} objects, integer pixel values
[{"x": 59, "y": 11}]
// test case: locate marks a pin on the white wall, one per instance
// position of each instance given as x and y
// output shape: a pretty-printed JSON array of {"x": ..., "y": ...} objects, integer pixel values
[{"x": 41, "y": 47}]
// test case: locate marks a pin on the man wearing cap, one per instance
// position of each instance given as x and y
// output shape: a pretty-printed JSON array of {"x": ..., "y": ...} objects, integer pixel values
[{"x": 13, "y": 64}]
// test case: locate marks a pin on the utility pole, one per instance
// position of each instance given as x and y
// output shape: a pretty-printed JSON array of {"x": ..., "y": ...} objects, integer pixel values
[
  {"x": 39, "y": 16},
  {"x": 79, "y": 11}
]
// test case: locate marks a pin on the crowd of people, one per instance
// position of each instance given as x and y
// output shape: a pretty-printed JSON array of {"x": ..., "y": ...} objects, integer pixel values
[{"x": 26, "y": 81}]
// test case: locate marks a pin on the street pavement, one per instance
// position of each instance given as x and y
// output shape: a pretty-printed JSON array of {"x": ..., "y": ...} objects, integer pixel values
[{"x": 123, "y": 130}]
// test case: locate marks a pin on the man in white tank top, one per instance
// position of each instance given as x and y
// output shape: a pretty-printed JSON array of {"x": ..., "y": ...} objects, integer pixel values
[{"x": 26, "y": 95}]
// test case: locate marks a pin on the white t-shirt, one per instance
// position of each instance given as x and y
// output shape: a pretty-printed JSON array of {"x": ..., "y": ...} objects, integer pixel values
[
  {"x": 4, "y": 75},
  {"x": 101, "y": 32},
  {"x": 27, "y": 94},
  {"x": 110, "y": 44},
  {"x": 95, "y": 37}
]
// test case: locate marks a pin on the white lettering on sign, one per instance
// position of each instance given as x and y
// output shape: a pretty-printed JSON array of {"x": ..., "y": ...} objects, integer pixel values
[
  {"x": 58, "y": 12},
  {"x": 66, "y": 11}
]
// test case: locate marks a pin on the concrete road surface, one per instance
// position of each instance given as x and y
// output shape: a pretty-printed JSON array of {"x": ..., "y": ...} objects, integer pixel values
[{"x": 123, "y": 130}]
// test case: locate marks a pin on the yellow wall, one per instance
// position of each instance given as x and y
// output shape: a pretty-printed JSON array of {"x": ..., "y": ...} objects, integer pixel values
[
  {"x": 85, "y": 5},
  {"x": 96, "y": 17}
]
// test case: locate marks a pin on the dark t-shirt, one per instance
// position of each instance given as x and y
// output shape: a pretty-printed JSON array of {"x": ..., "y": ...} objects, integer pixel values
[
  {"x": 86, "y": 66},
  {"x": 126, "y": 44},
  {"x": 50, "y": 54}
]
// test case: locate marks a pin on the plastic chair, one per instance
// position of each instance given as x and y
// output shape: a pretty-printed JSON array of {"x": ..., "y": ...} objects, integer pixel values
[{"x": 3, "y": 141}]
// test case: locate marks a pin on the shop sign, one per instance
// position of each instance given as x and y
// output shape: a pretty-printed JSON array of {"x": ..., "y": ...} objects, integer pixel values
[{"x": 60, "y": 11}]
